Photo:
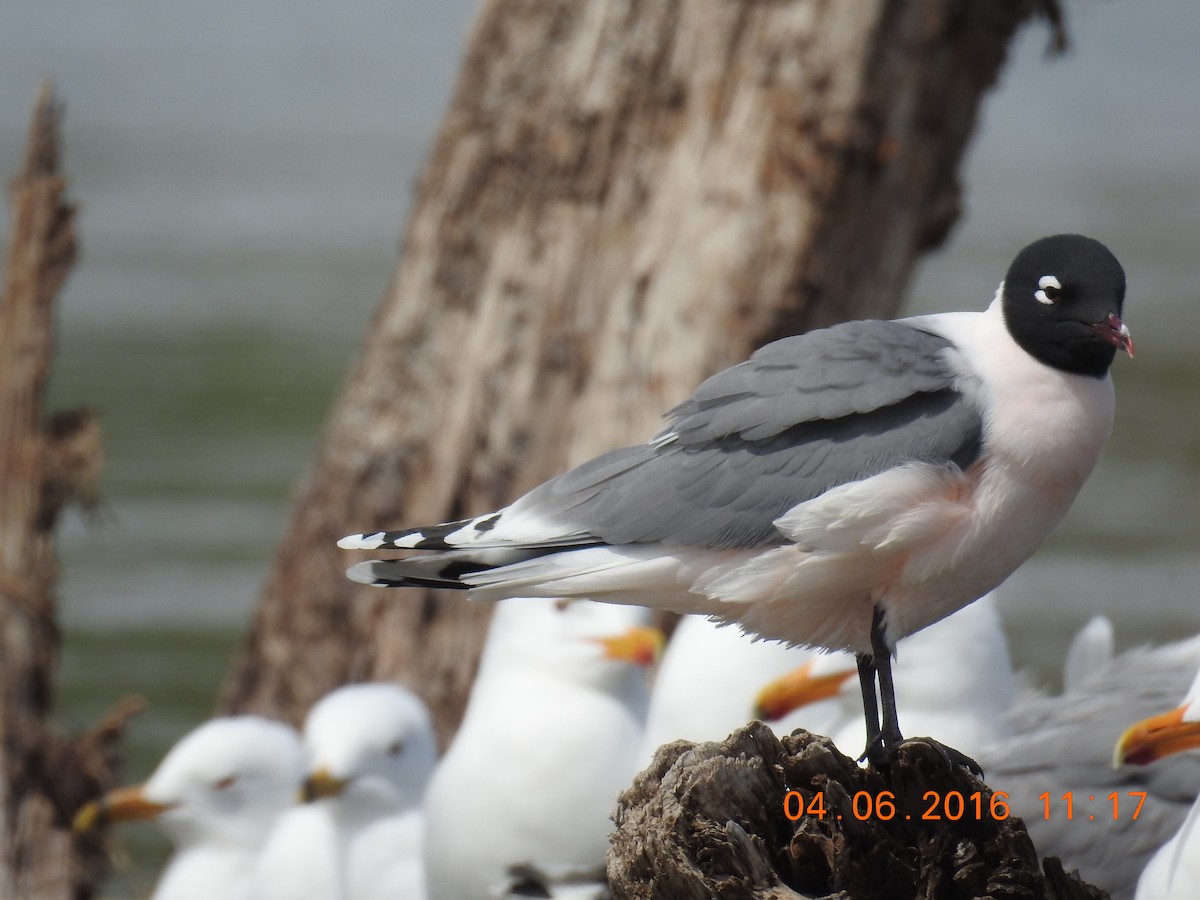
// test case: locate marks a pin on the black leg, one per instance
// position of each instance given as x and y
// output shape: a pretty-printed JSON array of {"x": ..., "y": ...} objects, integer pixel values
[
  {"x": 889, "y": 732},
  {"x": 890, "y": 728},
  {"x": 866, "y": 682},
  {"x": 883, "y": 734}
]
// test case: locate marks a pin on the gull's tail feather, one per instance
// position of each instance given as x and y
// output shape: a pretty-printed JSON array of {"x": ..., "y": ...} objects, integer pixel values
[
  {"x": 634, "y": 574},
  {"x": 429, "y": 537},
  {"x": 399, "y": 573},
  {"x": 451, "y": 569},
  {"x": 492, "y": 531}
]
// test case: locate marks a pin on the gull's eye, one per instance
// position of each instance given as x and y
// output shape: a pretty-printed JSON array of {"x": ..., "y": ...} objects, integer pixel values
[
  {"x": 395, "y": 748},
  {"x": 1049, "y": 290},
  {"x": 225, "y": 783}
]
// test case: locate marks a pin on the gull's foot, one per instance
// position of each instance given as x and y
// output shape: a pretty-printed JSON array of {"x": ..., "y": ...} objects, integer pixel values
[
  {"x": 881, "y": 749},
  {"x": 881, "y": 755},
  {"x": 954, "y": 758},
  {"x": 877, "y": 754}
]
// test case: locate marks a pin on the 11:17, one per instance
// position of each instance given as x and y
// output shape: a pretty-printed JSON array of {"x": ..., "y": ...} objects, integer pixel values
[{"x": 1114, "y": 798}]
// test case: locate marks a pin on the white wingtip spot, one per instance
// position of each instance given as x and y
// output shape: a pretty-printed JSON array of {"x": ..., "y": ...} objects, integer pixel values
[
  {"x": 363, "y": 572},
  {"x": 362, "y": 541}
]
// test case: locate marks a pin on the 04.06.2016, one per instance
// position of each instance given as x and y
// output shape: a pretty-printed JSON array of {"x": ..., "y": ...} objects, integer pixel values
[{"x": 881, "y": 805}]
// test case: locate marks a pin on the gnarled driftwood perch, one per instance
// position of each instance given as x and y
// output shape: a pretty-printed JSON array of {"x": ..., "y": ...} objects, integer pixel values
[{"x": 709, "y": 820}]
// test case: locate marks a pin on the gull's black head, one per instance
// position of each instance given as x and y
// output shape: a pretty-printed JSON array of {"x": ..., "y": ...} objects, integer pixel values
[{"x": 1062, "y": 304}]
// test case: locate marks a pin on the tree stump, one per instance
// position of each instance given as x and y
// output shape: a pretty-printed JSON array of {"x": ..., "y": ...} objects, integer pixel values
[{"x": 754, "y": 818}]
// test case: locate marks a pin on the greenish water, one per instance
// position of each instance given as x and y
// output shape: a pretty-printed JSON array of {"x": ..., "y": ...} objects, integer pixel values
[
  {"x": 172, "y": 670},
  {"x": 206, "y": 435}
]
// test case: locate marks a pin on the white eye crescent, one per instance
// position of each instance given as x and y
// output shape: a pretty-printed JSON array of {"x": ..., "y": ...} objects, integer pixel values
[{"x": 1049, "y": 290}]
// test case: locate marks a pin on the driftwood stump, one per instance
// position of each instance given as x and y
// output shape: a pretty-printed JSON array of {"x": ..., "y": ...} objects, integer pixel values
[
  {"x": 44, "y": 777},
  {"x": 722, "y": 820}
]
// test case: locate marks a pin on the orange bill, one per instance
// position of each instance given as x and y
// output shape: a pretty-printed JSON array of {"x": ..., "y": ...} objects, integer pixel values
[
  {"x": 1152, "y": 739},
  {"x": 641, "y": 646},
  {"x": 798, "y": 688},
  {"x": 122, "y": 805},
  {"x": 320, "y": 784}
]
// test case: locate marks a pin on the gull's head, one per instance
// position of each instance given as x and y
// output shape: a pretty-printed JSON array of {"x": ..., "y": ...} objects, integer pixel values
[
  {"x": 1062, "y": 300},
  {"x": 225, "y": 782},
  {"x": 1162, "y": 735},
  {"x": 578, "y": 640},
  {"x": 371, "y": 750}
]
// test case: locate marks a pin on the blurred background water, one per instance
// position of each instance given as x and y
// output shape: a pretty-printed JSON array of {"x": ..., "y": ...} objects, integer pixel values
[{"x": 243, "y": 170}]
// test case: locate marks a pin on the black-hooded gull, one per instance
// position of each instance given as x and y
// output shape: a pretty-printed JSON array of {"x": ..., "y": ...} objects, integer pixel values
[
  {"x": 522, "y": 798},
  {"x": 842, "y": 488},
  {"x": 217, "y": 794}
]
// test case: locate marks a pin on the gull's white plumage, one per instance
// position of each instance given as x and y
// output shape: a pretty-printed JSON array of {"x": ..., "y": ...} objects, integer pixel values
[
  {"x": 217, "y": 794},
  {"x": 371, "y": 751},
  {"x": 299, "y": 860},
  {"x": 1091, "y": 651},
  {"x": 708, "y": 680},
  {"x": 1173, "y": 872},
  {"x": 551, "y": 733}
]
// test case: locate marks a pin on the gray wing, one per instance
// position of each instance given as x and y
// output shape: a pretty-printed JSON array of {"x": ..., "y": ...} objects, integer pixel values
[{"x": 802, "y": 415}]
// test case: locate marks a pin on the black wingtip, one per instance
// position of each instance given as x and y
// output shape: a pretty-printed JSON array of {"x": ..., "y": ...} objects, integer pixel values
[{"x": 386, "y": 573}]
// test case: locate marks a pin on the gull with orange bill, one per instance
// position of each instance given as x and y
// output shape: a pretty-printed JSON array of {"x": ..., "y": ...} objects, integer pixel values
[
  {"x": 370, "y": 752},
  {"x": 217, "y": 794},
  {"x": 520, "y": 803},
  {"x": 1173, "y": 873}
]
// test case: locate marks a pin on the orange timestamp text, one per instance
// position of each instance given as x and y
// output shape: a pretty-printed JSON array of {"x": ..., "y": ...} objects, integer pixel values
[{"x": 951, "y": 806}]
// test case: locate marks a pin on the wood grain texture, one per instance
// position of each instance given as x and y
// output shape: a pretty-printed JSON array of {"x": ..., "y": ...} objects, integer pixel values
[
  {"x": 708, "y": 821},
  {"x": 625, "y": 196}
]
